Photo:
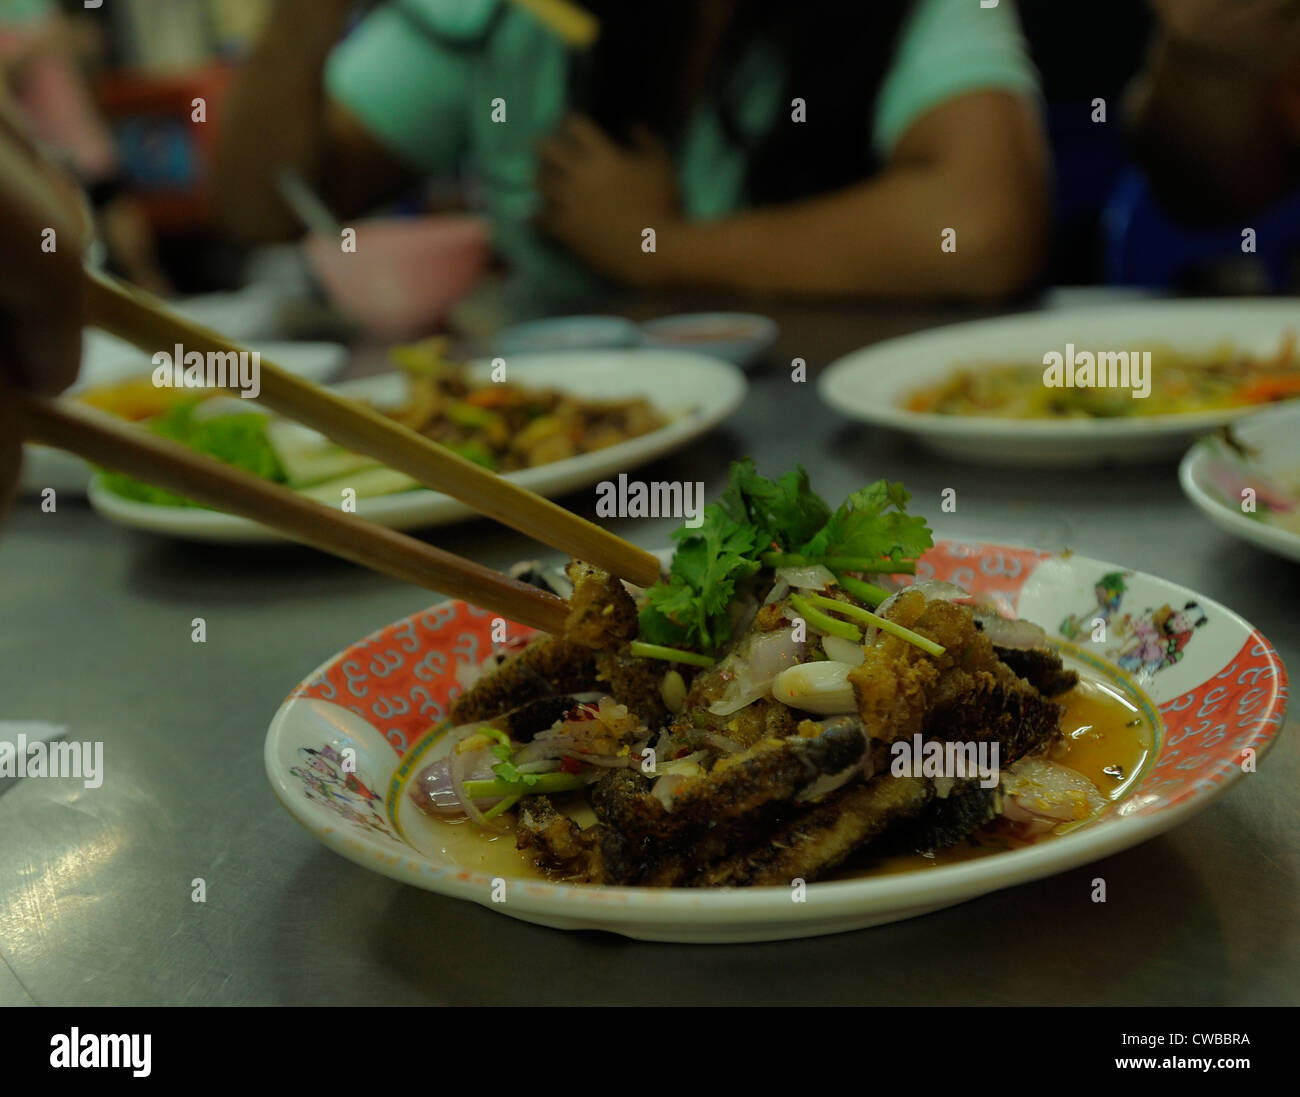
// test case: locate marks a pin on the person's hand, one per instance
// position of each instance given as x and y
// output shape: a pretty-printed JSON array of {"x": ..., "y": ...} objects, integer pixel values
[
  {"x": 1242, "y": 30},
  {"x": 599, "y": 197},
  {"x": 40, "y": 289}
]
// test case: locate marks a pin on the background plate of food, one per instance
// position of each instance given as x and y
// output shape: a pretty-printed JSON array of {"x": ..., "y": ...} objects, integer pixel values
[
  {"x": 1247, "y": 480},
  {"x": 756, "y": 798},
  {"x": 116, "y": 378},
  {"x": 980, "y": 390},
  {"x": 558, "y": 423}
]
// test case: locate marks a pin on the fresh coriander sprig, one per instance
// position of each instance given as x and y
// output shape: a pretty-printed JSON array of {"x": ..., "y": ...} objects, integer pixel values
[
  {"x": 543, "y": 784},
  {"x": 760, "y": 522}
]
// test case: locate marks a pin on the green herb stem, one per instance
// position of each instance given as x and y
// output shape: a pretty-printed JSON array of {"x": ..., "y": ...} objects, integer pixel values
[
  {"x": 545, "y": 783},
  {"x": 672, "y": 655},
  {"x": 892, "y": 627},
  {"x": 862, "y": 591},
  {"x": 839, "y": 563},
  {"x": 502, "y": 806},
  {"x": 783, "y": 560},
  {"x": 497, "y": 734},
  {"x": 865, "y": 564},
  {"x": 827, "y": 624}
]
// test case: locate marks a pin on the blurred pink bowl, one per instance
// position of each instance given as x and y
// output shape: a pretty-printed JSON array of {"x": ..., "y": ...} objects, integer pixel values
[{"x": 405, "y": 273}]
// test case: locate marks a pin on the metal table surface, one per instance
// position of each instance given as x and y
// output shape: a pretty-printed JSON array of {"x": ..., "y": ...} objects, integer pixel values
[{"x": 95, "y": 884}]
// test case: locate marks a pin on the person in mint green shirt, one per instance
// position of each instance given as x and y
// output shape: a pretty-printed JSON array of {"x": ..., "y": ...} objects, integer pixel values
[{"x": 889, "y": 148}]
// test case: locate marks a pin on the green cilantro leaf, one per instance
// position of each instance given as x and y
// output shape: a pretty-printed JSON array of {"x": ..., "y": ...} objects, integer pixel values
[
  {"x": 786, "y": 511},
  {"x": 509, "y": 773},
  {"x": 690, "y": 609},
  {"x": 866, "y": 526}
]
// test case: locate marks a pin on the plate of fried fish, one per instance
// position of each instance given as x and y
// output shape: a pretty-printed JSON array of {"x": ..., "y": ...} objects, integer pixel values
[{"x": 819, "y": 719}]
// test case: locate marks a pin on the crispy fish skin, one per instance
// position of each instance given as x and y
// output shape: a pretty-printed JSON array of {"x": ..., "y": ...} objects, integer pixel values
[
  {"x": 822, "y": 838},
  {"x": 548, "y": 665},
  {"x": 555, "y": 842},
  {"x": 771, "y": 771},
  {"x": 968, "y": 693},
  {"x": 635, "y": 682},
  {"x": 897, "y": 683},
  {"x": 646, "y": 860},
  {"x": 763, "y": 719},
  {"x": 997, "y": 707},
  {"x": 603, "y": 617},
  {"x": 1041, "y": 668},
  {"x": 602, "y": 613},
  {"x": 941, "y": 822}
]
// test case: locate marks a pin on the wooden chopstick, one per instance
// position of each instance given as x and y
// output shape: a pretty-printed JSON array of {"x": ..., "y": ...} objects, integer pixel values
[
  {"x": 138, "y": 318},
  {"x": 570, "y": 22},
  {"x": 106, "y": 440}
]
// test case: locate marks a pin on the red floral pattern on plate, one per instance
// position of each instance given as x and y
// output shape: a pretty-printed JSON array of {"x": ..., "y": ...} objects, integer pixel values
[
  {"x": 402, "y": 678},
  {"x": 1210, "y": 729}
]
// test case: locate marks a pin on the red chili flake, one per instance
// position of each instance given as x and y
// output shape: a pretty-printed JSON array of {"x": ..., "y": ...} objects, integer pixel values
[
  {"x": 683, "y": 752},
  {"x": 570, "y": 765},
  {"x": 581, "y": 712}
]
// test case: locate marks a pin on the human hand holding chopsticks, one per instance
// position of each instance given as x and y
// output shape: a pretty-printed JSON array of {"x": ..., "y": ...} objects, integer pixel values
[{"x": 43, "y": 228}]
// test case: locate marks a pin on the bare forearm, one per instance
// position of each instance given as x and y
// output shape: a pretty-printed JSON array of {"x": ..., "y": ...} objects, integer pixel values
[
  {"x": 276, "y": 118},
  {"x": 884, "y": 238}
]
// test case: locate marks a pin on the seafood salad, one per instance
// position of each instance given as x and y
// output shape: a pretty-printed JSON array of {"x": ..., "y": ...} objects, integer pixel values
[{"x": 760, "y": 714}]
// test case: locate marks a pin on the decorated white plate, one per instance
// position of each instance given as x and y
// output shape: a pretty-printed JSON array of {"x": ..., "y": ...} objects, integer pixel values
[
  {"x": 1249, "y": 483},
  {"x": 693, "y": 391},
  {"x": 875, "y": 383},
  {"x": 1210, "y": 689}
]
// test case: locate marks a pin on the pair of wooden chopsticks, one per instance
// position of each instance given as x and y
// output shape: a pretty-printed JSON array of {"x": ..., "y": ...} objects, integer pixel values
[{"x": 103, "y": 439}]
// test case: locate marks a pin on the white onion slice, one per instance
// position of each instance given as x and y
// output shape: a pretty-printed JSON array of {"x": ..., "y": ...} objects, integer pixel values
[
  {"x": 755, "y": 667},
  {"x": 1007, "y": 633},
  {"x": 665, "y": 788},
  {"x": 779, "y": 590},
  {"x": 843, "y": 651},
  {"x": 807, "y": 577},
  {"x": 933, "y": 590}
]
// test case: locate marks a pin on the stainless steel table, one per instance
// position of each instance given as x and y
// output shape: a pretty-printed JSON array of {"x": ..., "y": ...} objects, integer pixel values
[{"x": 95, "y": 885}]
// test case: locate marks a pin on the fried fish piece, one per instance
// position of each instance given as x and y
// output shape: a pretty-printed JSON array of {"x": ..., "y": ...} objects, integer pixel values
[
  {"x": 634, "y": 682},
  {"x": 898, "y": 684},
  {"x": 547, "y": 666},
  {"x": 1041, "y": 668},
  {"x": 556, "y": 842},
  {"x": 943, "y": 821},
  {"x": 602, "y": 614},
  {"x": 822, "y": 838},
  {"x": 740, "y": 784}
]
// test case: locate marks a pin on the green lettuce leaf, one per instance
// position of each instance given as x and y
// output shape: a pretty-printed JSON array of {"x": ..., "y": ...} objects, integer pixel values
[{"x": 238, "y": 439}]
